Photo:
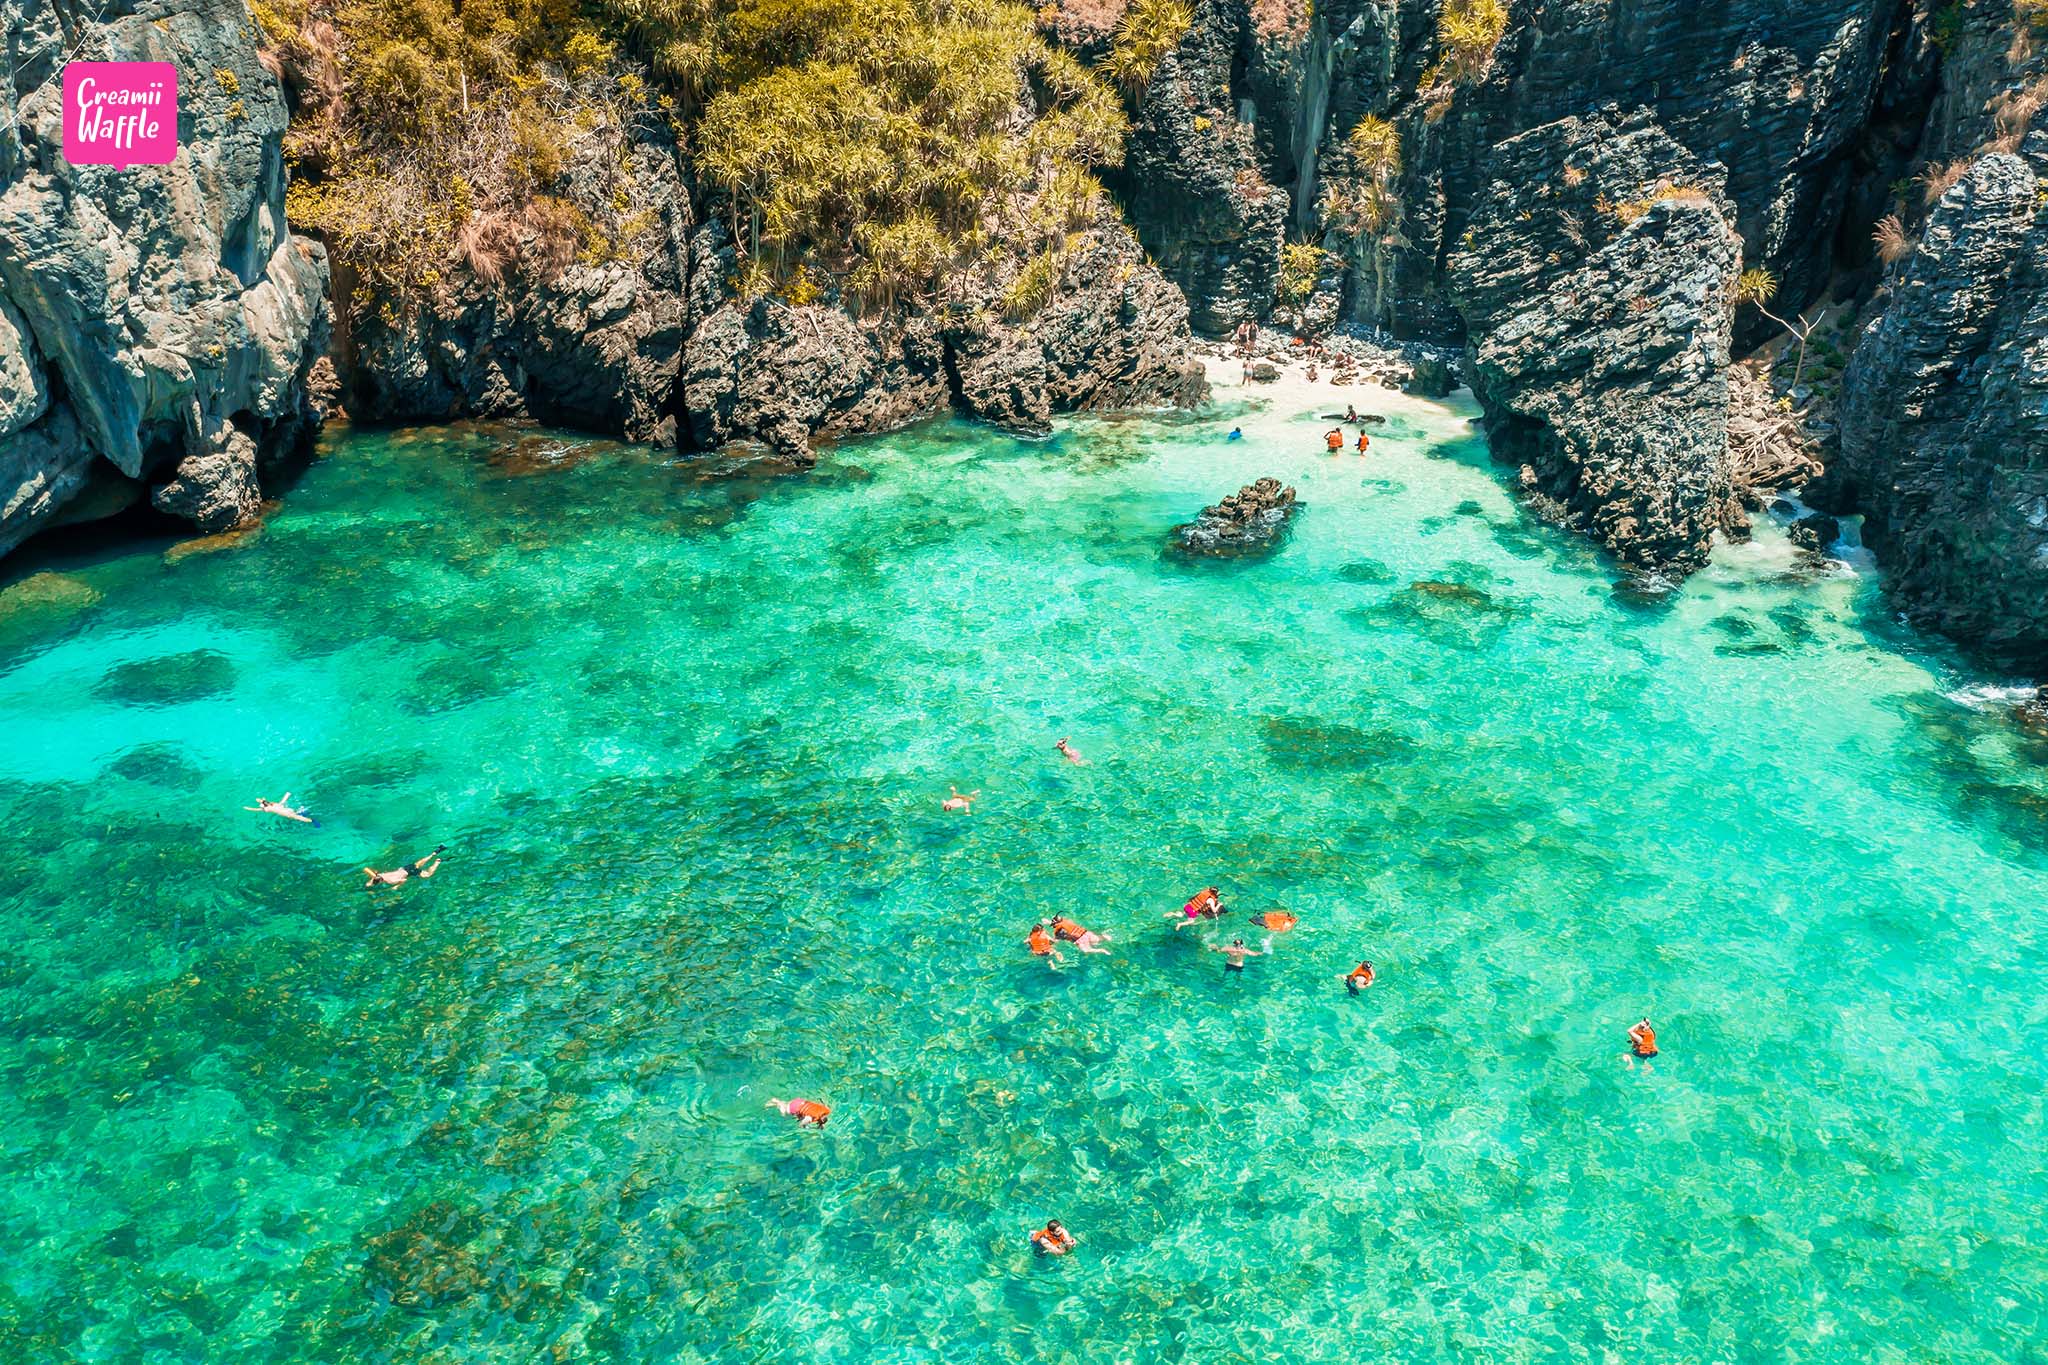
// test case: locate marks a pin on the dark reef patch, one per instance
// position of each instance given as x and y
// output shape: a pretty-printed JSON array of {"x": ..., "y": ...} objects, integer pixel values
[{"x": 169, "y": 681}]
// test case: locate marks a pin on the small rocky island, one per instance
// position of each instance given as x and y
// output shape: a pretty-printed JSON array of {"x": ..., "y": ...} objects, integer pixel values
[{"x": 1248, "y": 522}]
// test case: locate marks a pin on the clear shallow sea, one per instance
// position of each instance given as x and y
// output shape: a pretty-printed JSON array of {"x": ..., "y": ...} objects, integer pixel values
[{"x": 685, "y": 734}]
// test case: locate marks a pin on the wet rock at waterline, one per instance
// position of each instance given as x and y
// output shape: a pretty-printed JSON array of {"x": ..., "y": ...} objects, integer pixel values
[
  {"x": 1249, "y": 521},
  {"x": 1816, "y": 532}
]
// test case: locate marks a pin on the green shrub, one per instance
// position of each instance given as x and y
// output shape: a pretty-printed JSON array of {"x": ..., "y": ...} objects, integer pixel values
[
  {"x": 1376, "y": 146},
  {"x": 1035, "y": 285},
  {"x": 1149, "y": 31},
  {"x": 874, "y": 139},
  {"x": 1467, "y": 33},
  {"x": 1301, "y": 265}
]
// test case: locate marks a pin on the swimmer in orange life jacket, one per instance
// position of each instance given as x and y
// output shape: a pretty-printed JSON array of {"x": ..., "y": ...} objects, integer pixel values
[
  {"x": 1334, "y": 439},
  {"x": 1359, "y": 977},
  {"x": 1087, "y": 940},
  {"x": 1363, "y": 441},
  {"x": 1642, "y": 1039},
  {"x": 1052, "y": 1239},
  {"x": 807, "y": 1113},
  {"x": 1202, "y": 905},
  {"x": 1043, "y": 945},
  {"x": 1279, "y": 921}
]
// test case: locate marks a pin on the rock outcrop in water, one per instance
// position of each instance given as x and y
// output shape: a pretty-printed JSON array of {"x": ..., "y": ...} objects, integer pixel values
[
  {"x": 159, "y": 326},
  {"x": 1596, "y": 286},
  {"x": 1248, "y": 522}
]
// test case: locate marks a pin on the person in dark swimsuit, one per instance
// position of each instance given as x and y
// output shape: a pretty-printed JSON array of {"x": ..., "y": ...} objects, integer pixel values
[
  {"x": 399, "y": 876},
  {"x": 1235, "y": 953}
]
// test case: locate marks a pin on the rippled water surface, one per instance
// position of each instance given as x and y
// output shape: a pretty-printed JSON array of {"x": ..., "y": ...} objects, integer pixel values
[{"x": 685, "y": 730}]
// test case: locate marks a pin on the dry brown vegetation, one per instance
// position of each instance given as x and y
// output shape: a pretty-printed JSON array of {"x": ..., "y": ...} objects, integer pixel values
[
  {"x": 1890, "y": 240},
  {"x": 1939, "y": 180}
]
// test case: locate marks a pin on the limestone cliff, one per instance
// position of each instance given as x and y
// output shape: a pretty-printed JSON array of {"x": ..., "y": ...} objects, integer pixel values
[
  {"x": 1596, "y": 286},
  {"x": 1944, "y": 423},
  {"x": 158, "y": 324}
]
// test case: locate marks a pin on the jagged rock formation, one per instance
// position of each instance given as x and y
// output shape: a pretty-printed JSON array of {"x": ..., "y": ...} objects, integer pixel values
[
  {"x": 1596, "y": 289},
  {"x": 158, "y": 324},
  {"x": 1191, "y": 179},
  {"x": 1243, "y": 131},
  {"x": 1944, "y": 420},
  {"x": 1248, "y": 522},
  {"x": 532, "y": 330},
  {"x": 656, "y": 344},
  {"x": 660, "y": 350}
]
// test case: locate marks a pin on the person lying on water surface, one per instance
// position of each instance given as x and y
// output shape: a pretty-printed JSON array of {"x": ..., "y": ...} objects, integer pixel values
[
  {"x": 283, "y": 808},
  {"x": 807, "y": 1113},
  {"x": 1087, "y": 940},
  {"x": 398, "y": 876}
]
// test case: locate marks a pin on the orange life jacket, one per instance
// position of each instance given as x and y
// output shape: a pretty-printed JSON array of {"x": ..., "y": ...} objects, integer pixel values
[{"x": 1041, "y": 942}]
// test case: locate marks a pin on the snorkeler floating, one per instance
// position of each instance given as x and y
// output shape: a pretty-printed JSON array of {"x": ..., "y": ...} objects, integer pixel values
[
  {"x": 1053, "y": 1239},
  {"x": 398, "y": 876},
  {"x": 1087, "y": 940},
  {"x": 283, "y": 808},
  {"x": 807, "y": 1113},
  {"x": 1358, "y": 978},
  {"x": 1279, "y": 921},
  {"x": 1068, "y": 752},
  {"x": 1642, "y": 1039},
  {"x": 958, "y": 802}
]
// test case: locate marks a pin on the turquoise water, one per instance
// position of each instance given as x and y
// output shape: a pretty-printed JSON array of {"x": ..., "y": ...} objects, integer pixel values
[{"x": 685, "y": 730}]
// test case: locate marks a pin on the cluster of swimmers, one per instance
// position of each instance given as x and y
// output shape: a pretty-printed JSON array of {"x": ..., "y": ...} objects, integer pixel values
[
  {"x": 423, "y": 867},
  {"x": 1044, "y": 942},
  {"x": 1047, "y": 936}
]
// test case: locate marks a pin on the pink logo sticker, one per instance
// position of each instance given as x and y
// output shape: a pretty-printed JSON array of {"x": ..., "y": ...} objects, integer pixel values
[{"x": 120, "y": 113}]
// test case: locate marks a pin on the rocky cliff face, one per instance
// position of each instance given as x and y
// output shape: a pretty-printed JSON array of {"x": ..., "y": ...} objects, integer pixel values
[
  {"x": 1596, "y": 287},
  {"x": 1944, "y": 422},
  {"x": 159, "y": 325},
  {"x": 1113, "y": 333},
  {"x": 660, "y": 348},
  {"x": 1764, "y": 104},
  {"x": 590, "y": 343},
  {"x": 1242, "y": 133}
]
